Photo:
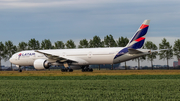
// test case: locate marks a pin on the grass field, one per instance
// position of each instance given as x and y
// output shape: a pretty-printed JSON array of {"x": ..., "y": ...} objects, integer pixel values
[
  {"x": 102, "y": 86},
  {"x": 94, "y": 73}
]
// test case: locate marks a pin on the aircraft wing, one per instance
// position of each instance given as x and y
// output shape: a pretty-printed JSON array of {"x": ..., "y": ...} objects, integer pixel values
[
  {"x": 55, "y": 57},
  {"x": 63, "y": 59},
  {"x": 159, "y": 50}
]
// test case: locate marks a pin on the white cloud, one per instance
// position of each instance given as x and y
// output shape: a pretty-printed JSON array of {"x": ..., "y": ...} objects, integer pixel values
[
  {"x": 9, "y": 4},
  {"x": 52, "y": 3}
]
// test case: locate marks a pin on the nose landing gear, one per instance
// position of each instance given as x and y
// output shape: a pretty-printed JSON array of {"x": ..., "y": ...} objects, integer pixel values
[{"x": 20, "y": 70}]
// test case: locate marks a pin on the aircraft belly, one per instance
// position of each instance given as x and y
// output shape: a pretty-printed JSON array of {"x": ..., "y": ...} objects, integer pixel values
[{"x": 75, "y": 67}]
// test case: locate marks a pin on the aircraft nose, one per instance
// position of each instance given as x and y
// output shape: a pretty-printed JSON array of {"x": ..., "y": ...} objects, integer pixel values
[{"x": 11, "y": 60}]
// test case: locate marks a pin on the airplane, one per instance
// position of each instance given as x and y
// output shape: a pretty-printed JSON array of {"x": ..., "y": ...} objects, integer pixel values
[{"x": 82, "y": 58}]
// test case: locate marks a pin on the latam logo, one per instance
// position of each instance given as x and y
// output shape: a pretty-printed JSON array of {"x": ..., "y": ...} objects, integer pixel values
[
  {"x": 26, "y": 54},
  {"x": 19, "y": 54}
]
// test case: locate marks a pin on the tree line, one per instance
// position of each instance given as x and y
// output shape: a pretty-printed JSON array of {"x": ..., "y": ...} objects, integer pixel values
[{"x": 7, "y": 49}]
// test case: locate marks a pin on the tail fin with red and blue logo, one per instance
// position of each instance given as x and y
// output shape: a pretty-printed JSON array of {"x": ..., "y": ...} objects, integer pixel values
[{"x": 138, "y": 39}]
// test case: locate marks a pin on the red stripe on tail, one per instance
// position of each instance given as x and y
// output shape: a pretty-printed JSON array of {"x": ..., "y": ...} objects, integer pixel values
[
  {"x": 139, "y": 39},
  {"x": 143, "y": 26}
]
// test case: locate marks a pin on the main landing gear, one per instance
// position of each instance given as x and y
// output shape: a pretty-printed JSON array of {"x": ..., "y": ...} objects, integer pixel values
[
  {"x": 66, "y": 69},
  {"x": 86, "y": 69}
]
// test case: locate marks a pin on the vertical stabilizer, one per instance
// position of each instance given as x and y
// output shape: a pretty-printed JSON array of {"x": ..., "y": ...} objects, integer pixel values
[{"x": 138, "y": 39}]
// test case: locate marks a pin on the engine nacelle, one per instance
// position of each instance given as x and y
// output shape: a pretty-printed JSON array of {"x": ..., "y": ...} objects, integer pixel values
[{"x": 41, "y": 64}]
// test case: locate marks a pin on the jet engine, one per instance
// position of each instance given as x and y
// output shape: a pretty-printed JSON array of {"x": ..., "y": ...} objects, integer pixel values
[{"x": 41, "y": 64}]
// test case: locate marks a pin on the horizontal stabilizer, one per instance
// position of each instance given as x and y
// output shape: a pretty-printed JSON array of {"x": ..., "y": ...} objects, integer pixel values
[
  {"x": 152, "y": 51},
  {"x": 134, "y": 51}
]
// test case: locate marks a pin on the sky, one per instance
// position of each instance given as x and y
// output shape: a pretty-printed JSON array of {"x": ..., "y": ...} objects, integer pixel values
[{"x": 61, "y": 20}]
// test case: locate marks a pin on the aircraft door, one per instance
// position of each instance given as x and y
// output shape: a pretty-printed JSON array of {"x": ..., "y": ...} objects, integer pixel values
[
  {"x": 64, "y": 54},
  {"x": 89, "y": 54}
]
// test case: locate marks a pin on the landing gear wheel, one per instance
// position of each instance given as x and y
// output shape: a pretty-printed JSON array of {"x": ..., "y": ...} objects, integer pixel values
[
  {"x": 62, "y": 70},
  {"x": 70, "y": 70},
  {"x": 90, "y": 69},
  {"x": 67, "y": 70},
  {"x": 87, "y": 70},
  {"x": 20, "y": 70}
]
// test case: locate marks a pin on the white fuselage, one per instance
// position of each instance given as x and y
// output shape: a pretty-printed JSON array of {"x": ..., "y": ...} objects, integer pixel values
[{"x": 86, "y": 56}]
